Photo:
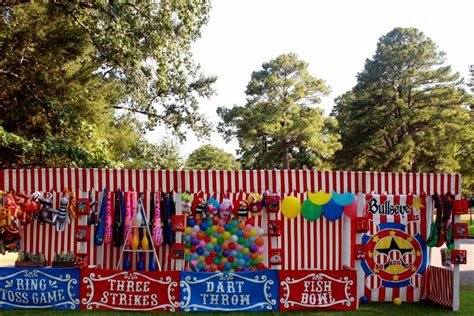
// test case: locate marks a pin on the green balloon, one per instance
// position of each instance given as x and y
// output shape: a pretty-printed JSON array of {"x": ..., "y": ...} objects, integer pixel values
[{"x": 310, "y": 210}]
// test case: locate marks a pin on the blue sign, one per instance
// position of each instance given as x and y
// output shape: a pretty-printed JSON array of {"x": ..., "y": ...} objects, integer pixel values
[
  {"x": 56, "y": 288},
  {"x": 229, "y": 291}
]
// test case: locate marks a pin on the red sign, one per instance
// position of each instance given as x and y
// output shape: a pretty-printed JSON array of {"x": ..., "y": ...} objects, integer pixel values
[
  {"x": 318, "y": 290},
  {"x": 129, "y": 290}
]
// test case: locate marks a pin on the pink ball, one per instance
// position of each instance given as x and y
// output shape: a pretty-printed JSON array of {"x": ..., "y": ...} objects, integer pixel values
[
  {"x": 260, "y": 250},
  {"x": 202, "y": 243}
]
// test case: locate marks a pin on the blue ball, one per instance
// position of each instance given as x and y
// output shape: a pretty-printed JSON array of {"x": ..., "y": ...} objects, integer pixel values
[
  {"x": 217, "y": 248},
  {"x": 240, "y": 233},
  {"x": 227, "y": 266},
  {"x": 247, "y": 257},
  {"x": 187, "y": 238},
  {"x": 227, "y": 227},
  {"x": 200, "y": 251},
  {"x": 364, "y": 299},
  {"x": 203, "y": 226},
  {"x": 191, "y": 222}
]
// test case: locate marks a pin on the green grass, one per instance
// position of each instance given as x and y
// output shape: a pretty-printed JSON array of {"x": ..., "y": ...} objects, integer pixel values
[{"x": 424, "y": 308}]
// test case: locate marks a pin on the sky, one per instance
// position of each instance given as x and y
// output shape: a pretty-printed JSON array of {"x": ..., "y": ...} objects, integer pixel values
[{"x": 334, "y": 36}]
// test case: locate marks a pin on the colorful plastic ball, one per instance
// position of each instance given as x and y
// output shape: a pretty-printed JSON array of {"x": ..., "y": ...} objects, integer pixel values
[
  {"x": 252, "y": 239},
  {"x": 260, "y": 266},
  {"x": 213, "y": 253},
  {"x": 234, "y": 238},
  {"x": 259, "y": 241},
  {"x": 220, "y": 267},
  {"x": 231, "y": 259},
  {"x": 241, "y": 240},
  {"x": 233, "y": 253},
  {"x": 253, "y": 232},
  {"x": 201, "y": 235},
  {"x": 235, "y": 264},
  {"x": 209, "y": 247},
  {"x": 219, "y": 255},
  {"x": 397, "y": 301},
  {"x": 233, "y": 230},
  {"x": 202, "y": 258},
  {"x": 217, "y": 248},
  {"x": 364, "y": 299},
  {"x": 231, "y": 246},
  {"x": 200, "y": 265},
  {"x": 253, "y": 248},
  {"x": 200, "y": 251},
  {"x": 241, "y": 262},
  {"x": 213, "y": 267},
  {"x": 188, "y": 230},
  {"x": 193, "y": 249},
  {"x": 187, "y": 258},
  {"x": 188, "y": 245},
  {"x": 227, "y": 266},
  {"x": 239, "y": 233},
  {"x": 253, "y": 256},
  {"x": 196, "y": 228},
  {"x": 217, "y": 260},
  {"x": 220, "y": 229},
  {"x": 207, "y": 239},
  {"x": 260, "y": 258},
  {"x": 227, "y": 227},
  {"x": 209, "y": 222},
  {"x": 240, "y": 255},
  {"x": 203, "y": 226},
  {"x": 245, "y": 251},
  {"x": 226, "y": 253},
  {"x": 191, "y": 222},
  {"x": 261, "y": 250},
  {"x": 209, "y": 260},
  {"x": 187, "y": 251},
  {"x": 213, "y": 240},
  {"x": 214, "y": 228},
  {"x": 208, "y": 232},
  {"x": 226, "y": 235},
  {"x": 194, "y": 241},
  {"x": 241, "y": 226},
  {"x": 247, "y": 257}
]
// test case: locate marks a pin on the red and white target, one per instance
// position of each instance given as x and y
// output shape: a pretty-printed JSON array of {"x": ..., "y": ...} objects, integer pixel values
[
  {"x": 409, "y": 258},
  {"x": 373, "y": 282},
  {"x": 416, "y": 280},
  {"x": 413, "y": 228}
]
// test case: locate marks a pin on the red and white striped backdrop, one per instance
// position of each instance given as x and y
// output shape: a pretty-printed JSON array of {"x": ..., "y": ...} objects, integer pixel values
[
  {"x": 438, "y": 285},
  {"x": 407, "y": 293},
  {"x": 283, "y": 181},
  {"x": 306, "y": 245}
]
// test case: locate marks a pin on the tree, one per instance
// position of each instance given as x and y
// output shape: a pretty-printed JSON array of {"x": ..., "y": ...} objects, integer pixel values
[
  {"x": 77, "y": 77},
  {"x": 407, "y": 112},
  {"x": 279, "y": 125},
  {"x": 162, "y": 155},
  {"x": 210, "y": 157}
]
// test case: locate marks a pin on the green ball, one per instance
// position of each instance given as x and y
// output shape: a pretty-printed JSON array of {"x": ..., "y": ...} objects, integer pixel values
[
  {"x": 188, "y": 245},
  {"x": 220, "y": 241}
]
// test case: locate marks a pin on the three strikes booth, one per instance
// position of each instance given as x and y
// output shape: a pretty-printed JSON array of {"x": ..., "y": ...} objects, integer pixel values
[{"x": 252, "y": 240}]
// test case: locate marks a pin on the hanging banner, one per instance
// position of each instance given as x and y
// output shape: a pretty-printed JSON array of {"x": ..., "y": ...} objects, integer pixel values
[
  {"x": 129, "y": 290},
  {"x": 55, "y": 288},
  {"x": 300, "y": 290},
  {"x": 228, "y": 291},
  {"x": 396, "y": 249}
]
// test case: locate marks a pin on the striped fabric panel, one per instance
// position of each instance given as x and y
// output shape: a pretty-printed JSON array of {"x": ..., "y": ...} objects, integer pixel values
[{"x": 438, "y": 286}]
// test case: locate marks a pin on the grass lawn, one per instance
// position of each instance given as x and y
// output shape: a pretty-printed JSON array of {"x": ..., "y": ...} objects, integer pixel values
[{"x": 424, "y": 308}]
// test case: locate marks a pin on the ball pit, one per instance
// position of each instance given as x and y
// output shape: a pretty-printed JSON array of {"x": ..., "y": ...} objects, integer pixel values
[{"x": 219, "y": 245}]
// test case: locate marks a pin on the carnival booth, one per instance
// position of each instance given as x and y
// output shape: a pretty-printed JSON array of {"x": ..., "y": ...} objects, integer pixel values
[{"x": 227, "y": 240}]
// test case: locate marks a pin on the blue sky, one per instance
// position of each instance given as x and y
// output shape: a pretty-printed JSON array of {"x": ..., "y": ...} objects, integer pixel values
[{"x": 334, "y": 37}]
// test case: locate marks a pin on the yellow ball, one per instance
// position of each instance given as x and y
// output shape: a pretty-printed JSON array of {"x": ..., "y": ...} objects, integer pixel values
[{"x": 397, "y": 301}]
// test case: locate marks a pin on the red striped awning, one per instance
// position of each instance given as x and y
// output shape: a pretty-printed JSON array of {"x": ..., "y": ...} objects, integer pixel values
[{"x": 221, "y": 181}]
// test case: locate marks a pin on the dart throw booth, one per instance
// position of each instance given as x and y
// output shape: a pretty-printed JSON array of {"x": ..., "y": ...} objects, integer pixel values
[{"x": 359, "y": 237}]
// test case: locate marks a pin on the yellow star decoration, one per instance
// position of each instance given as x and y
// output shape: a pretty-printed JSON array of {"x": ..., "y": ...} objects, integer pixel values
[
  {"x": 413, "y": 269},
  {"x": 418, "y": 253},
  {"x": 395, "y": 277},
  {"x": 392, "y": 233},
  {"x": 417, "y": 203},
  {"x": 371, "y": 254},
  {"x": 376, "y": 271},
  {"x": 375, "y": 238}
]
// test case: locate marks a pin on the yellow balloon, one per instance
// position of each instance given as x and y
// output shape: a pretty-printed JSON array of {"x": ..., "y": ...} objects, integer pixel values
[
  {"x": 319, "y": 198},
  {"x": 290, "y": 206}
]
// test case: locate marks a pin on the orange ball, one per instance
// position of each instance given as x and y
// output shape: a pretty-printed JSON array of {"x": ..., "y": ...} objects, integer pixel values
[
  {"x": 241, "y": 226},
  {"x": 246, "y": 234},
  {"x": 259, "y": 241},
  {"x": 225, "y": 245},
  {"x": 220, "y": 229},
  {"x": 213, "y": 267}
]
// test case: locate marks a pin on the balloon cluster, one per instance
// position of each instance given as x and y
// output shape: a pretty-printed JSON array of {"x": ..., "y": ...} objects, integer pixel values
[
  {"x": 219, "y": 245},
  {"x": 331, "y": 205}
]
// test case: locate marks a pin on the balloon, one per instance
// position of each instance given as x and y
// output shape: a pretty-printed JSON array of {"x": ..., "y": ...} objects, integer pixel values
[
  {"x": 311, "y": 211},
  {"x": 351, "y": 209},
  {"x": 261, "y": 250},
  {"x": 332, "y": 211},
  {"x": 253, "y": 248},
  {"x": 319, "y": 198},
  {"x": 290, "y": 207},
  {"x": 343, "y": 199},
  {"x": 196, "y": 228}
]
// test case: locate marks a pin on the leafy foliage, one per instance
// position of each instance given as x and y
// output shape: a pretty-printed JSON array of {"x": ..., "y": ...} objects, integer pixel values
[
  {"x": 279, "y": 125},
  {"x": 81, "y": 82},
  {"x": 209, "y": 157},
  {"x": 407, "y": 112}
]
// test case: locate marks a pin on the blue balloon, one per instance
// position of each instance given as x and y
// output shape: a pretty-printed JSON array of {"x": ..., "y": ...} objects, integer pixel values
[
  {"x": 332, "y": 211},
  {"x": 343, "y": 199}
]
